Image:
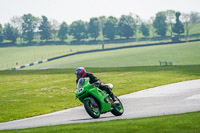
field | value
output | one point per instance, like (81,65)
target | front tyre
(92,110)
(119,109)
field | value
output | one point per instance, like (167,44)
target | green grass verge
(35,92)
(181,123)
(179,54)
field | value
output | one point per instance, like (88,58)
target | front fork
(93,102)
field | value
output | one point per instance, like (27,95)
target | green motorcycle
(97,101)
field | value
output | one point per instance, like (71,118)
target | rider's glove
(96,84)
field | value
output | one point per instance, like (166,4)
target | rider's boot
(115,102)
(113,97)
(107,89)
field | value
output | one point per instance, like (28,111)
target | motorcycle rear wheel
(94,112)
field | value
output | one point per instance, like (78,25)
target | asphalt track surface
(175,98)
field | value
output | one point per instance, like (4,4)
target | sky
(72,10)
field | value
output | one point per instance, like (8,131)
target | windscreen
(81,82)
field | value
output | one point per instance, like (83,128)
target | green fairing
(95,92)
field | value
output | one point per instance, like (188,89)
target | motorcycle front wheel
(92,110)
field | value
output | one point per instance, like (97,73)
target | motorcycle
(97,101)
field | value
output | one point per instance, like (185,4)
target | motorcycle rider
(81,73)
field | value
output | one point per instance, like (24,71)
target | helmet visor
(78,75)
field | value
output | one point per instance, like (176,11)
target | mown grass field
(179,54)
(25,55)
(181,123)
(130,57)
(34,92)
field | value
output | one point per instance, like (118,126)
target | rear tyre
(92,110)
(119,109)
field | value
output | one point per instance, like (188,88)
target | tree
(94,28)
(78,29)
(62,33)
(144,29)
(102,21)
(189,20)
(170,18)
(54,28)
(45,29)
(10,33)
(178,27)
(138,21)
(126,26)
(28,26)
(1,34)
(150,21)
(194,17)
(110,26)
(186,22)
(159,24)
(16,22)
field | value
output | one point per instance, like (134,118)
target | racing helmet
(80,72)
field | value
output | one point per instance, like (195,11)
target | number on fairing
(80,90)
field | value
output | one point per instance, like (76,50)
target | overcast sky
(72,10)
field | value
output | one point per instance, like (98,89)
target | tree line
(28,26)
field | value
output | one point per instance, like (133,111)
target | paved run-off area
(168,99)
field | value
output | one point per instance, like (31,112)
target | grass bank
(179,54)
(34,92)
(25,55)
